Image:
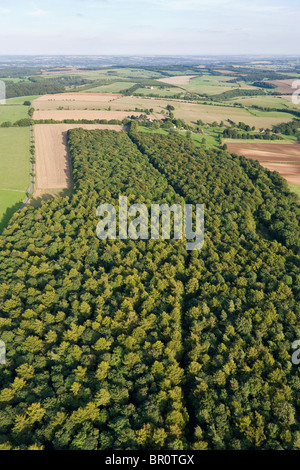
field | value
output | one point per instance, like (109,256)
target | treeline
(235,134)
(141,344)
(288,128)
(227,95)
(42,86)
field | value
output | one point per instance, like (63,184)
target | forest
(122,344)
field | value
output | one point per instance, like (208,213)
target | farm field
(12,112)
(212,85)
(90,115)
(192,112)
(284,86)
(74,100)
(52,163)
(21,99)
(263,101)
(177,80)
(289,171)
(116,87)
(288,152)
(284,158)
(14,170)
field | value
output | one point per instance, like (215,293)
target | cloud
(37,13)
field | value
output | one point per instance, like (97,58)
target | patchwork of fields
(106,102)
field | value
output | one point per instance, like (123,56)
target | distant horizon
(153,55)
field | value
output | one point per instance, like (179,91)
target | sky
(150,27)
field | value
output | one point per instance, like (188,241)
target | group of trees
(122,344)
(37,85)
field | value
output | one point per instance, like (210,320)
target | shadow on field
(8,215)
(39,200)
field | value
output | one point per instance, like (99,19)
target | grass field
(116,87)
(212,85)
(263,101)
(12,112)
(14,170)
(295,188)
(20,99)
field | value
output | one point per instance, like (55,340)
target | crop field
(75,101)
(14,170)
(52,163)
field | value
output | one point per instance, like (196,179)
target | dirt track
(52,163)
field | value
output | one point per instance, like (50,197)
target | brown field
(52,163)
(284,158)
(287,170)
(74,100)
(178,80)
(264,152)
(285,86)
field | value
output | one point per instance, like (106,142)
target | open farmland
(192,112)
(52,163)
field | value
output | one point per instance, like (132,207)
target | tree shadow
(10,211)
(39,200)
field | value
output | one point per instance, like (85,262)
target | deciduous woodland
(141,344)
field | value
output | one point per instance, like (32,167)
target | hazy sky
(132,27)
